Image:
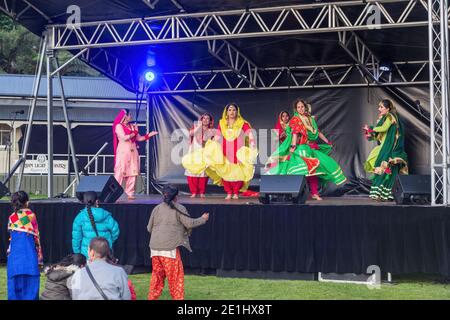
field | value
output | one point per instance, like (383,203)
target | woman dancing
(281,125)
(300,154)
(126,155)
(199,134)
(388,158)
(228,159)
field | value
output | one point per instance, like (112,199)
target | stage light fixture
(386,66)
(150,76)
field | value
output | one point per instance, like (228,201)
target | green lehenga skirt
(308,162)
(387,160)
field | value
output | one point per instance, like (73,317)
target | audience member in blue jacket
(92,222)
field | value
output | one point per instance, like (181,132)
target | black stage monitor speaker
(412,189)
(282,189)
(107,188)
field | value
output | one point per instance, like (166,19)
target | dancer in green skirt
(300,154)
(388,158)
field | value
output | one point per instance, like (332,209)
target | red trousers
(232,187)
(163,267)
(197,185)
(313,182)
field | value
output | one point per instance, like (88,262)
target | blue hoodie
(83,232)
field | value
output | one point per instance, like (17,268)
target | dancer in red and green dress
(388,158)
(300,154)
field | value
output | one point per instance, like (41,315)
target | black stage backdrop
(342,239)
(340,113)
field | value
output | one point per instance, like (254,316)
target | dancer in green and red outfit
(282,124)
(300,154)
(388,158)
(304,110)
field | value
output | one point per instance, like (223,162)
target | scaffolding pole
(49,57)
(37,82)
(68,125)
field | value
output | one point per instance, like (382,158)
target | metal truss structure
(11,9)
(439,101)
(238,24)
(109,64)
(216,27)
(298,77)
(240,73)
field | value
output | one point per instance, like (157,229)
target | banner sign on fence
(39,166)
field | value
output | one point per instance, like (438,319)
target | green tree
(76,67)
(18,48)
(19,52)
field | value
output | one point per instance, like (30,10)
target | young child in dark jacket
(57,286)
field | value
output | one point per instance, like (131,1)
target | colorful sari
(304,160)
(229,160)
(388,158)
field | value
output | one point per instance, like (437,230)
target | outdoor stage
(337,235)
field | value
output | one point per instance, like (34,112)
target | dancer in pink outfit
(126,155)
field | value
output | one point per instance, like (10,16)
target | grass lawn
(214,288)
(31,195)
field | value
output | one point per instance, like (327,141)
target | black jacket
(57,284)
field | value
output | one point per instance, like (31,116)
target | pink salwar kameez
(126,155)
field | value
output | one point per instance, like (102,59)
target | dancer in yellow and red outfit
(199,134)
(229,158)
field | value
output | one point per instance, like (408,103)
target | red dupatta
(278,126)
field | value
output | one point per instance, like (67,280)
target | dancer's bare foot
(202,196)
(228,197)
(193,195)
(235,196)
(131,198)
(316,197)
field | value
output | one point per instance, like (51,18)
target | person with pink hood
(126,155)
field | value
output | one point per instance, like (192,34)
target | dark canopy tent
(341,110)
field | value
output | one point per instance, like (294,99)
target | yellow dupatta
(231,134)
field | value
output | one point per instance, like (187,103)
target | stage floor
(220,200)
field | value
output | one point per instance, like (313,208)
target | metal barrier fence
(103,164)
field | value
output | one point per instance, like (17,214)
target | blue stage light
(150,76)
